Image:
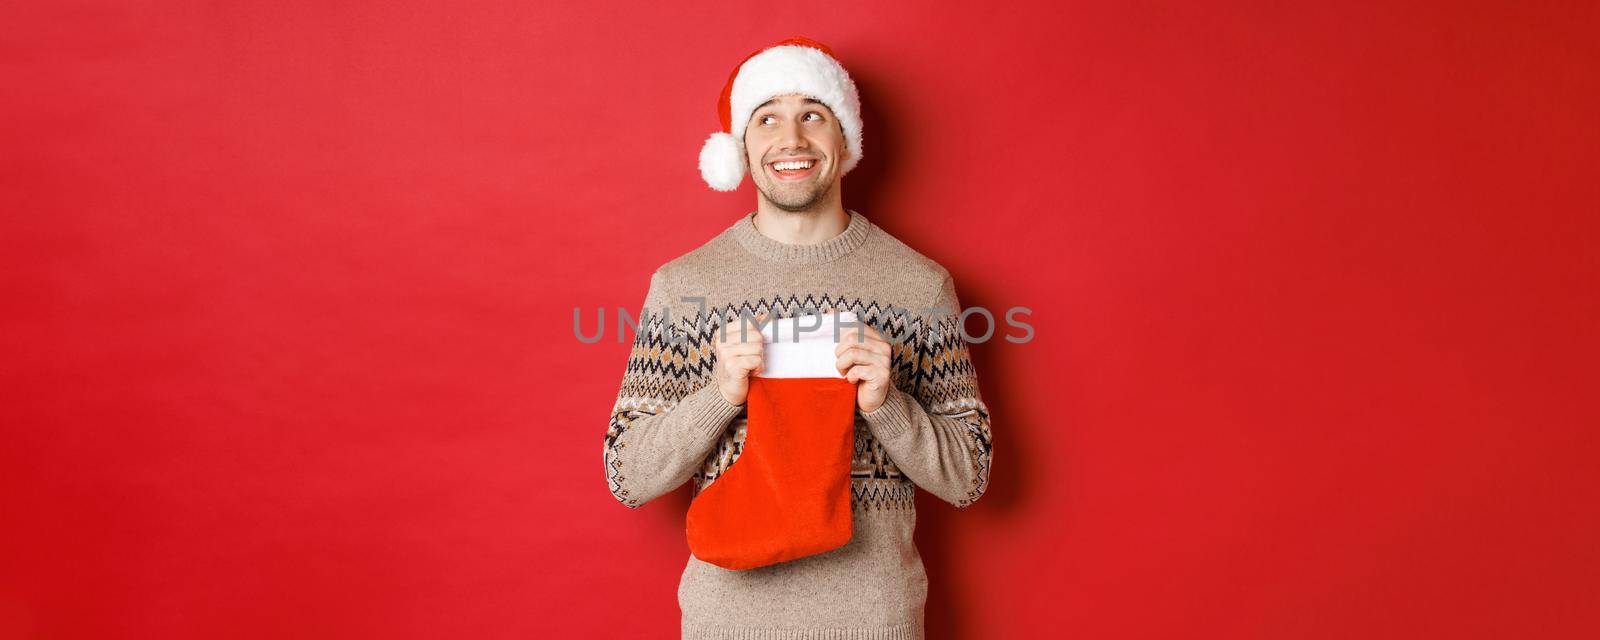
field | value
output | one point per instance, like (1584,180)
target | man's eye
(813,113)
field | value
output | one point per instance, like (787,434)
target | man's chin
(794,204)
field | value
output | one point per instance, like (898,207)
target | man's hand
(864,359)
(739,354)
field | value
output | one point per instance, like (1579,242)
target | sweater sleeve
(939,436)
(668,413)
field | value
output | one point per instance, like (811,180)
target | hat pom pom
(722,161)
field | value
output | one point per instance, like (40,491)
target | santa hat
(792,65)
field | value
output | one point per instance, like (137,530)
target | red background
(288,345)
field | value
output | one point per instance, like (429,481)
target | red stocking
(787,495)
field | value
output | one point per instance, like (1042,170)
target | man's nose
(790,136)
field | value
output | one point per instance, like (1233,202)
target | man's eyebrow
(806,101)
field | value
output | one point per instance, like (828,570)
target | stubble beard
(792,198)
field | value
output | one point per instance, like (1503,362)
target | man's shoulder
(894,251)
(692,265)
(905,267)
(695,271)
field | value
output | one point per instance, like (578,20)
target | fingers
(863,355)
(743,364)
(860,333)
(866,373)
(739,329)
(736,363)
(740,349)
(737,349)
(853,335)
(871,345)
(740,358)
(856,358)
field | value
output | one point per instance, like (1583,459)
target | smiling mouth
(793,169)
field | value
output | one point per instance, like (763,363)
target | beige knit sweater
(671,425)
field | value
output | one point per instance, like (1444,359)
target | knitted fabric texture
(670,425)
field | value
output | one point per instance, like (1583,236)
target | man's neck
(801,227)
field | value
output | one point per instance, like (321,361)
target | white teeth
(786,166)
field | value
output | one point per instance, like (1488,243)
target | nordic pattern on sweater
(673,357)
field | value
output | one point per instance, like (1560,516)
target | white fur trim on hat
(799,69)
(722,161)
(777,71)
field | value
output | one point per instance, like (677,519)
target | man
(791,119)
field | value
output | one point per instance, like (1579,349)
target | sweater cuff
(706,412)
(893,418)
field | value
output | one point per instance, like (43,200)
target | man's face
(794,128)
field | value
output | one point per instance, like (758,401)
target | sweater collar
(853,236)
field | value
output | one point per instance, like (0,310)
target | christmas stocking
(787,495)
